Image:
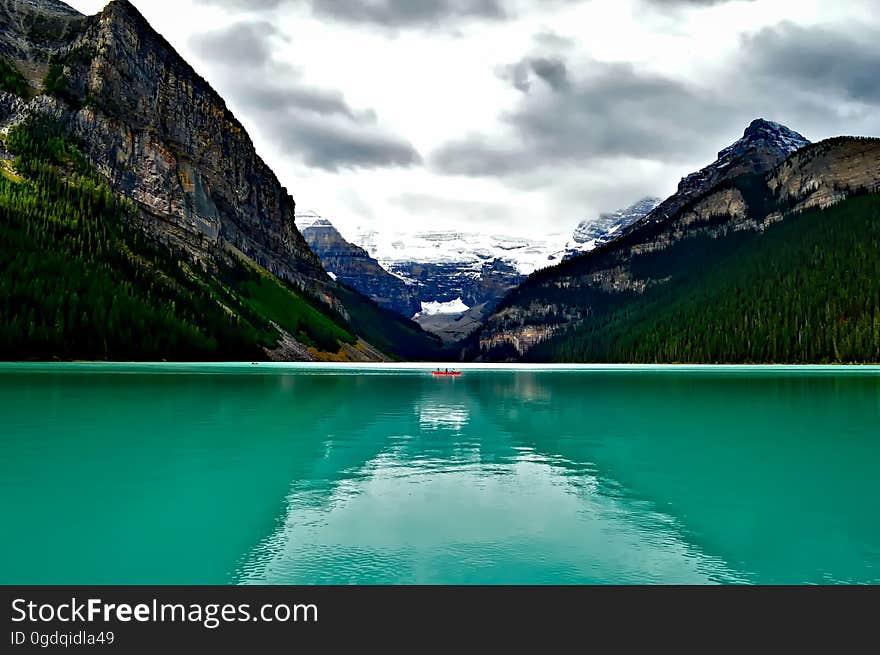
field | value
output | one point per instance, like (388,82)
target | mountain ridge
(444,265)
(353,266)
(764,144)
(751,199)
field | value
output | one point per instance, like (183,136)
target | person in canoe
(447,372)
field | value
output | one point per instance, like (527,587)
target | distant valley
(449,281)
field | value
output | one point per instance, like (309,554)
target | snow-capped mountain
(469,250)
(431,275)
(593,233)
(458,273)
(440,273)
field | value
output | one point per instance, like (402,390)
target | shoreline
(398,367)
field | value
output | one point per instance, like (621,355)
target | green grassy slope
(271,298)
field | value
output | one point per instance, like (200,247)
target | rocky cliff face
(353,266)
(764,144)
(555,300)
(160,135)
(32,30)
(825,173)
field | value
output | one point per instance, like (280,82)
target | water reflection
(476,507)
(774,474)
(427,522)
(499,477)
(442,416)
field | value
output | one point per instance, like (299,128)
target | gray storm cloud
(424,13)
(608,110)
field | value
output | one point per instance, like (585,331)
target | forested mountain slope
(672,288)
(805,291)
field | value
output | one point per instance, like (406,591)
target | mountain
(458,276)
(164,138)
(455,278)
(468,250)
(590,234)
(446,265)
(804,291)
(443,285)
(764,144)
(478,267)
(354,267)
(145,223)
(725,270)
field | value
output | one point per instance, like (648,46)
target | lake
(310,474)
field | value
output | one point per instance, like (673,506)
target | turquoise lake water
(296,474)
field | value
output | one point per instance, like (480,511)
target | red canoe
(449,373)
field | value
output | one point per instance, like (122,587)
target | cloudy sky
(518,117)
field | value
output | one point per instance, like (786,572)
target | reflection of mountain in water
(729,457)
(494,477)
(451,494)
